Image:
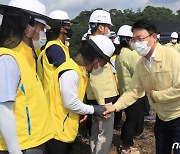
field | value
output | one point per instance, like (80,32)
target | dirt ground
(145,146)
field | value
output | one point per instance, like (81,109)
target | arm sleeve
(55,55)
(134,92)
(8,127)
(9,78)
(68,83)
(172,93)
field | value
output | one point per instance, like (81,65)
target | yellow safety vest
(45,69)
(65,122)
(38,51)
(30,108)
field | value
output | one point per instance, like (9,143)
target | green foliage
(120,18)
(158,13)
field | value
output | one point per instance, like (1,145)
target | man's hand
(109,109)
(99,110)
(83,118)
(151,95)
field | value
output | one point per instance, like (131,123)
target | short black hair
(52,34)
(13,25)
(124,42)
(145,24)
(94,26)
(88,52)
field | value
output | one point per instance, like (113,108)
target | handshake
(103,111)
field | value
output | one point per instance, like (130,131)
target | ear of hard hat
(125,30)
(33,7)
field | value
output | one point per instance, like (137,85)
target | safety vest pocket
(65,119)
(28,121)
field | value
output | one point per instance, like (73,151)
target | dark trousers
(134,123)
(58,147)
(167,134)
(147,106)
(41,149)
(117,117)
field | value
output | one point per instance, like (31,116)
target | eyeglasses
(139,39)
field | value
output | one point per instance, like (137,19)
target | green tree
(158,13)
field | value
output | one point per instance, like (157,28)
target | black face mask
(69,33)
(117,49)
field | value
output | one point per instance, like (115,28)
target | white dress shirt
(150,61)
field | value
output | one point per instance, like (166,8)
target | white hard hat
(112,34)
(158,36)
(105,45)
(117,40)
(125,30)
(89,31)
(100,16)
(174,35)
(33,7)
(60,15)
(85,35)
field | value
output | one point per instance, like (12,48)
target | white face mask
(108,33)
(142,48)
(42,40)
(97,71)
(174,41)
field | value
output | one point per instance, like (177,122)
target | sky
(74,7)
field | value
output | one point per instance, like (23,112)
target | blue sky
(74,7)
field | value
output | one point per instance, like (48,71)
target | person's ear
(154,36)
(101,28)
(62,30)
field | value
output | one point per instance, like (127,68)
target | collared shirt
(164,78)
(150,61)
